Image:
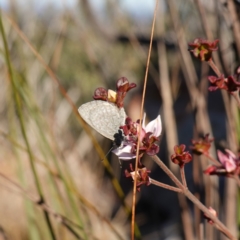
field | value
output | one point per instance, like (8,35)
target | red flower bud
(123,86)
(142,177)
(181,157)
(202,146)
(100,94)
(203,49)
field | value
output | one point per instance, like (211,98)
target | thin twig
(140,127)
(212,159)
(159,184)
(214,67)
(190,196)
(183,177)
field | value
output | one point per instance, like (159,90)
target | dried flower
(216,82)
(203,49)
(142,176)
(202,146)
(228,160)
(230,165)
(180,156)
(148,139)
(230,84)
(100,94)
(123,86)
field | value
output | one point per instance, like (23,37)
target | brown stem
(159,184)
(168,172)
(218,224)
(183,177)
(140,127)
(191,197)
(214,67)
(212,159)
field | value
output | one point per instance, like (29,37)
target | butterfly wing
(104,117)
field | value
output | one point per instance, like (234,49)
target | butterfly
(104,117)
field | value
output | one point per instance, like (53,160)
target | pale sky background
(134,7)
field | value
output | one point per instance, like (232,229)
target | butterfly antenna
(120,163)
(107,153)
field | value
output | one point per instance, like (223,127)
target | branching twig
(154,182)
(190,196)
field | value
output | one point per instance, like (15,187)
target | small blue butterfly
(104,117)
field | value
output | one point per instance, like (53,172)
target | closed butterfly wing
(104,117)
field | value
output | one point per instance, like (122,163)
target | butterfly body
(104,117)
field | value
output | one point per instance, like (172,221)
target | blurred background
(55,55)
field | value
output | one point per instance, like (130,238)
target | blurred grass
(84,51)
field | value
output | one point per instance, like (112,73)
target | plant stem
(140,126)
(217,71)
(183,177)
(191,197)
(214,67)
(159,184)
(212,159)
(19,113)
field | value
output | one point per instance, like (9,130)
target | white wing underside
(104,117)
